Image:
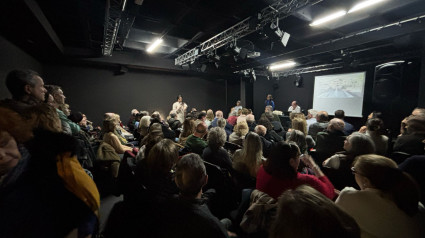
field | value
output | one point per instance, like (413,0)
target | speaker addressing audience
(294,107)
(180,108)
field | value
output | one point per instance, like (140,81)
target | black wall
(95,91)
(11,57)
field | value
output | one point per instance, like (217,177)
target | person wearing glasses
(387,203)
(279,173)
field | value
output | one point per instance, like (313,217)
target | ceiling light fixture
(331,17)
(282,65)
(154,45)
(364,4)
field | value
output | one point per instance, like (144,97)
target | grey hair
(216,137)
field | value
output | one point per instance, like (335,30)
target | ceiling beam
(38,13)
(403,27)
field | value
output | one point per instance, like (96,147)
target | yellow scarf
(77,181)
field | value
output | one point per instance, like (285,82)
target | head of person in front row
(26,86)
(305,213)
(381,173)
(191,176)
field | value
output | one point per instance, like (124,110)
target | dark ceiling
(53,30)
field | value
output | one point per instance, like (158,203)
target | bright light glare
(364,5)
(328,18)
(281,66)
(154,45)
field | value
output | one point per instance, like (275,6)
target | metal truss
(113,11)
(311,69)
(278,10)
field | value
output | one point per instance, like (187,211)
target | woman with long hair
(279,173)
(387,202)
(375,130)
(300,124)
(239,132)
(248,159)
(339,164)
(188,129)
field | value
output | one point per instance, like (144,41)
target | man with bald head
(195,142)
(294,108)
(218,115)
(330,141)
(267,145)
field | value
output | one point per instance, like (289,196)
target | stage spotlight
(298,82)
(283,36)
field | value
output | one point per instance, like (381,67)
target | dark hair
(179,96)
(264,121)
(376,114)
(76,117)
(298,137)
(322,116)
(278,161)
(305,213)
(162,157)
(339,114)
(17,79)
(375,124)
(52,89)
(202,114)
(384,175)
(190,174)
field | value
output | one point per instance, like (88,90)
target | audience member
(386,204)
(348,128)
(354,145)
(239,132)
(218,114)
(173,122)
(321,124)
(266,144)
(271,135)
(330,141)
(215,153)
(415,167)
(195,142)
(168,133)
(143,128)
(187,215)
(250,120)
(27,89)
(299,123)
(325,219)
(311,118)
(375,130)
(248,159)
(411,142)
(188,129)
(112,139)
(209,118)
(279,173)
(154,135)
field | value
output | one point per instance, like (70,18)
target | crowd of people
(191,174)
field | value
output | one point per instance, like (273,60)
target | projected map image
(339,86)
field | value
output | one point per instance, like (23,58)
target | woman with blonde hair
(387,203)
(299,123)
(239,132)
(112,139)
(248,159)
(209,118)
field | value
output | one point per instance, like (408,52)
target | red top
(275,187)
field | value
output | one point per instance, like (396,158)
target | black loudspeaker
(387,83)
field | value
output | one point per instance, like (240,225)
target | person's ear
(28,89)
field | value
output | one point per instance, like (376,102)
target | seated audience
(195,142)
(210,117)
(27,89)
(340,164)
(154,136)
(375,130)
(143,127)
(250,120)
(173,122)
(321,124)
(415,167)
(330,141)
(348,127)
(386,204)
(233,117)
(188,129)
(411,142)
(311,118)
(215,153)
(155,172)
(298,137)
(325,219)
(187,215)
(132,120)
(266,144)
(201,117)
(239,132)
(248,159)
(270,109)
(271,135)
(279,173)
(168,133)
(277,126)
(112,139)
(218,114)
(299,123)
